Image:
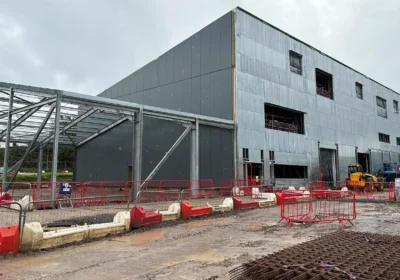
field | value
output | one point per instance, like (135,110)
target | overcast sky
(87,45)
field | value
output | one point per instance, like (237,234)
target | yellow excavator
(357,178)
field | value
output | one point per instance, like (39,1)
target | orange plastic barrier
(187,211)
(9,240)
(238,204)
(141,218)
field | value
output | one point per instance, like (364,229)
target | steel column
(55,146)
(7,142)
(28,150)
(137,150)
(194,158)
(170,151)
(40,165)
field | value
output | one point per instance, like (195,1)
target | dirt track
(196,249)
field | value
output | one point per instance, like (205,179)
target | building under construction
(238,97)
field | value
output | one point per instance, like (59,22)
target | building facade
(297,110)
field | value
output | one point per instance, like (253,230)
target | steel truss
(39,116)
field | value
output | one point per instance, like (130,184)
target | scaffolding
(40,116)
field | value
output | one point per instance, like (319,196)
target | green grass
(45,177)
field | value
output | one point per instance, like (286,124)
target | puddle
(143,237)
(206,256)
(203,223)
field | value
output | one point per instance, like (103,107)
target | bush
(45,177)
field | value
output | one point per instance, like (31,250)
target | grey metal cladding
(263,76)
(108,157)
(206,53)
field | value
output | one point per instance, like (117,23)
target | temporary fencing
(16,190)
(75,211)
(318,206)
(173,187)
(105,189)
(42,190)
(318,186)
(201,188)
(380,191)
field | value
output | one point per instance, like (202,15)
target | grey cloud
(86,46)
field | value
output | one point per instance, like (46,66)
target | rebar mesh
(339,255)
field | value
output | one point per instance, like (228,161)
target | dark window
(384,138)
(396,106)
(381,105)
(271,155)
(290,171)
(279,118)
(262,156)
(295,62)
(323,82)
(359,90)
(398,141)
(245,154)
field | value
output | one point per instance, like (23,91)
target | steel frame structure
(40,116)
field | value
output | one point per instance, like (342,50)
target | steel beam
(55,146)
(28,150)
(137,150)
(108,127)
(170,151)
(26,108)
(19,121)
(7,142)
(40,165)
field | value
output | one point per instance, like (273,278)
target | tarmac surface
(193,249)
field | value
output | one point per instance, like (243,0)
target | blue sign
(65,189)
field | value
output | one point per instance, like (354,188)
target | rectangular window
(324,83)
(245,154)
(396,106)
(384,138)
(295,62)
(381,105)
(262,156)
(271,155)
(359,90)
(398,141)
(279,118)
(290,171)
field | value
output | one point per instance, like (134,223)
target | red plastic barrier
(5,197)
(238,204)
(187,211)
(9,240)
(141,218)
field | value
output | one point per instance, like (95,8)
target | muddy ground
(195,249)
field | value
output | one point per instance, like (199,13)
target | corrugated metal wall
(263,75)
(195,77)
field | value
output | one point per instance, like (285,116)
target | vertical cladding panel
(196,95)
(227,166)
(147,76)
(196,50)
(186,95)
(205,51)
(178,63)
(170,66)
(215,93)
(205,152)
(216,153)
(226,94)
(176,98)
(226,41)
(215,46)
(205,85)
(187,59)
